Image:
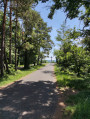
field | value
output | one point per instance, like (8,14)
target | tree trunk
(5,58)
(10,42)
(26,62)
(34,63)
(3,38)
(18,57)
(38,61)
(38,55)
(41,60)
(15,43)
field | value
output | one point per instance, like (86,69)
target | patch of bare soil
(64,92)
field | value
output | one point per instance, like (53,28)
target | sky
(58,19)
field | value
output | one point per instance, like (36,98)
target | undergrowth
(16,75)
(78,104)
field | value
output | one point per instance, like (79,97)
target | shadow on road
(29,100)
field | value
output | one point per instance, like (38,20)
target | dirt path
(33,97)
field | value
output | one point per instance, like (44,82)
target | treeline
(24,36)
(74,52)
(71,55)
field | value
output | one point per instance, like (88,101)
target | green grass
(78,104)
(71,80)
(9,78)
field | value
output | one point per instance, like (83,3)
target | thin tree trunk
(10,42)
(18,56)
(25,60)
(3,38)
(38,55)
(15,43)
(38,61)
(5,58)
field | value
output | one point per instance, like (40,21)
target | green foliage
(27,46)
(86,41)
(14,76)
(71,56)
(71,8)
(31,33)
(69,79)
(81,105)
(78,104)
(36,38)
(11,68)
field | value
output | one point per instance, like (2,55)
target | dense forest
(24,36)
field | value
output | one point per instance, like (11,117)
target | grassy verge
(9,78)
(78,104)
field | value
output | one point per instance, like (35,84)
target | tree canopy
(25,36)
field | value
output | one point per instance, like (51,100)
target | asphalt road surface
(33,97)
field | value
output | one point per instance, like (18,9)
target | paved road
(33,97)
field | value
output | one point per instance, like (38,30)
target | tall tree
(16,36)
(3,38)
(10,42)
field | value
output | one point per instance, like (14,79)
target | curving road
(33,97)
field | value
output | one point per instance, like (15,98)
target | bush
(11,68)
